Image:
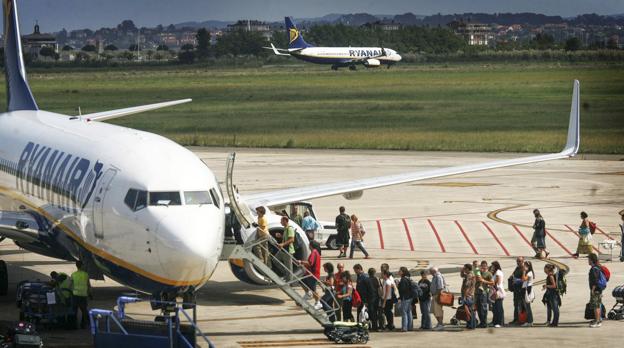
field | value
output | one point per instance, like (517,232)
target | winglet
(107,115)
(574,128)
(19,96)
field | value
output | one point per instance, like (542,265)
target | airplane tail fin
(19,96)
(295,40)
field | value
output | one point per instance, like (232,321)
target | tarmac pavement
(444,222)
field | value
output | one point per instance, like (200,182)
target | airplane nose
(398,57)
(189,243)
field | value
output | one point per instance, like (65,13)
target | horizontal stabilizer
(107,115)
(277,50)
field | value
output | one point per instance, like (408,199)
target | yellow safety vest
(80,280)
(65,285)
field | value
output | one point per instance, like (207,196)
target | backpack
(562,282)
(592,227)
(356,300)
(416,292)
(606,272)
(601,282)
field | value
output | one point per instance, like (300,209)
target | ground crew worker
(81,289)
(64,287)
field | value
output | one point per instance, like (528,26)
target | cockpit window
(215,197)
(197,197)
(136,199)
(165,198)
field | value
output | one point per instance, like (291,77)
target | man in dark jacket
(518,293)
(365,289)
(343,223)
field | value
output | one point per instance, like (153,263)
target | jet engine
(372,63)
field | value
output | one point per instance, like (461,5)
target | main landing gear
(352,67)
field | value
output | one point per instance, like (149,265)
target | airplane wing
(107,115)
(354,189)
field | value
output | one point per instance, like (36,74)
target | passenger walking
(329,305)
(343,223)
(286,252)
(262,236)
(597,283)
(388,302)
(405,294)
(538,241)
(338,285)
(357,236)
(585,237)
(498,319)
(438,284)
(313,270)
(425,301)
(81,290)
(364,288)
(467,293)
(375,298)
(516,287)
(346,295)
(484,282)
(528,277)
(551,296)
(310,225)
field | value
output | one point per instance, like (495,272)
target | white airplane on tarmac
(135,206)
(370,57)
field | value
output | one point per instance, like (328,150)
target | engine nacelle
(372,63)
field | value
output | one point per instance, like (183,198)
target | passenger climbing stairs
(290,282)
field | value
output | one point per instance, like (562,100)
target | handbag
(529,296)
(462,313)
(446,298)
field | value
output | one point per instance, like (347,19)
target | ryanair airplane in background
(370,57)
(137,207)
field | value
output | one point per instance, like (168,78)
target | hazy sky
(73,14)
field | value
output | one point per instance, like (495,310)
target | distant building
(33,43)
(252,26)
(188,38)
(477,34)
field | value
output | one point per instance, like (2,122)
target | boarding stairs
(291,283)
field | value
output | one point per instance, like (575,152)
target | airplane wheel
(4,279)
(335,68)
(352,67)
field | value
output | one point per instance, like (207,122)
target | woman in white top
(388,302)
(527,285)
(499,314)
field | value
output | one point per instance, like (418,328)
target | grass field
(464,107)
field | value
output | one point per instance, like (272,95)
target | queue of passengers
(482,291)
(378,296)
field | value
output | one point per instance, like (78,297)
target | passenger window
(165,198)
(215,197)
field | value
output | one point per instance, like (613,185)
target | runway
(444,222)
